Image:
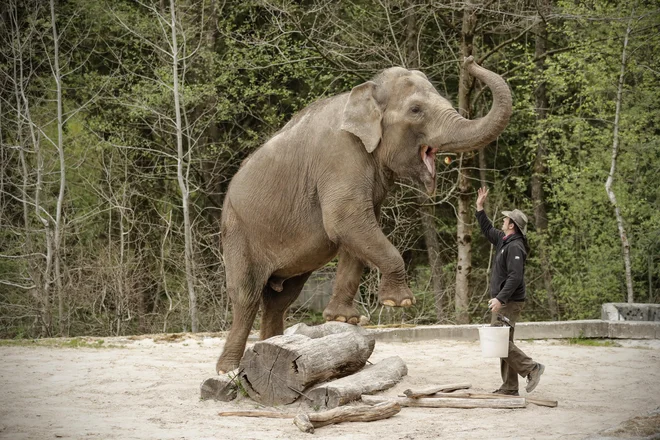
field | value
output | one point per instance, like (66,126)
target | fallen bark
(279,369)
(507,402)
(308,422)
(433,389)
(378,377)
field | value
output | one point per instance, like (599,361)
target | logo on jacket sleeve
(517,257)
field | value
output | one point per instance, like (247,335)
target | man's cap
(518,218)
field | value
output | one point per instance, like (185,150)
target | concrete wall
(630,312)
(591,328)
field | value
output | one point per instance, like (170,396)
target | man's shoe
(506,392)
(534,377)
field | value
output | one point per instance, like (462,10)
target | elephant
(314,191)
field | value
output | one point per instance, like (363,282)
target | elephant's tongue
(429,159)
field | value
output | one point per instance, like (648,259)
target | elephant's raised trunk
(467,135)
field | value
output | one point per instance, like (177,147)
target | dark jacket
(507,282)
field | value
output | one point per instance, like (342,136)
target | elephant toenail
(406,303)
(389,302)
(221,372)
(353,321)
(340,318)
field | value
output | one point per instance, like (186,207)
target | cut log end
(279,369)
(223,388)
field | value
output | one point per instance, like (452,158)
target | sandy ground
(146,389)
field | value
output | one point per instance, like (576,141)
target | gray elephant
(314,191)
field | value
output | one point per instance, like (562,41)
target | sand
(148,388)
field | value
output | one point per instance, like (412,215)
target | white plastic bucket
(494,341)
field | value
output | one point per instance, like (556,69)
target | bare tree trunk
(40,269)
(59,221)
(182,179)
(610,178)
(540,166)
(483,166)
(427,215)
(464,229)
(426,206)
(22,114)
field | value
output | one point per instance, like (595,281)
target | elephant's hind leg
(245,284)
(274,304)
(341,307)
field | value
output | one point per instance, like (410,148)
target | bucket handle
(504,319)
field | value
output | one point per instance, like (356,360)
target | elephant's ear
(362,115)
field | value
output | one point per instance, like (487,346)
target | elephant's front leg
(347,281)
(355,227)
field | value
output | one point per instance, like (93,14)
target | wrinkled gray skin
(315,189)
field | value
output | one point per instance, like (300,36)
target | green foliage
(245,69)
(591,342)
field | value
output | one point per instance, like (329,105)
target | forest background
(122,123)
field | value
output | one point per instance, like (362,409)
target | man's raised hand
(482,194)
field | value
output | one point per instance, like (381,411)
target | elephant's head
(404,122)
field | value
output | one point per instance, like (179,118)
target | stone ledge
(630,312)
(590,328)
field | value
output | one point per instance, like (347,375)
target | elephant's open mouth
(428,157)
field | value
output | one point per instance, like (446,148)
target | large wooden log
(319,331)
(508,402)
(308,422)
(378,377)
(278,370)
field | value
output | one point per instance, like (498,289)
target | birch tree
(173,48)
(625,244)
(22,46)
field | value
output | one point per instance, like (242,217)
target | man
(507,291)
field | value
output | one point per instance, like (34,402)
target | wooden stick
(383,410)
(309,421)
(535,401)
(508,402)
(433,389)
(256,413)
(542,402)
(469,395)
(303,423)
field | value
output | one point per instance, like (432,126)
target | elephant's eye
(415,109)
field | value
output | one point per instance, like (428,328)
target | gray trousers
(517,362)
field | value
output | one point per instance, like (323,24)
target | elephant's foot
(341,313)
(226,364)
(395,295)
